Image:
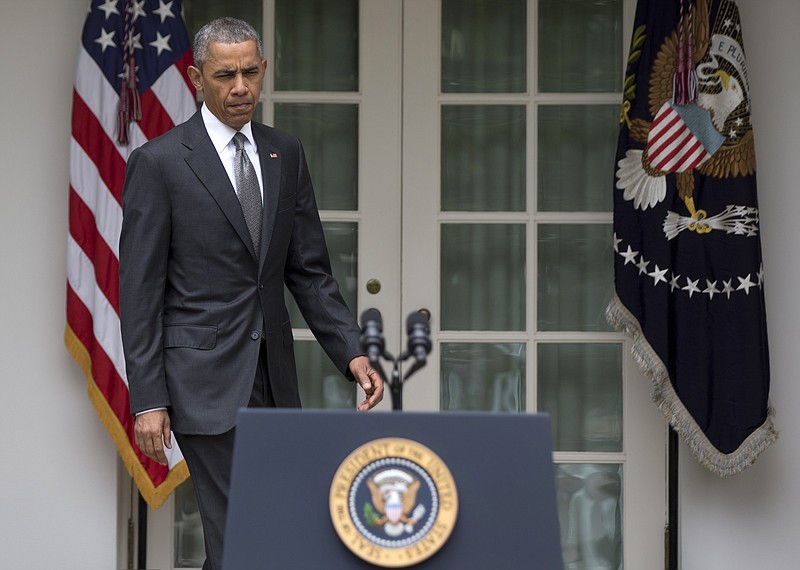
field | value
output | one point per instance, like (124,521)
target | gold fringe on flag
(665,398)
(154,496)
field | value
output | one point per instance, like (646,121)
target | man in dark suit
(204,325)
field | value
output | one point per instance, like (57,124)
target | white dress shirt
(222,138)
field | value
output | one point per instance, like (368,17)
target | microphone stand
(397,380)
(396,384)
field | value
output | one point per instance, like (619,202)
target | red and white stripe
(671,145)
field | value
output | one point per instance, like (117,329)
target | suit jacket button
(254,335)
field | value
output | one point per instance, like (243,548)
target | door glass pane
(316,45)
(580,386)
(580,46)
(484,46)
(197,13)
(321,384)
(329,133)
(483,158)
(190,550)
(574,277)
(576,149)
(483,277)
(342,240)
(483,377)
(590,515)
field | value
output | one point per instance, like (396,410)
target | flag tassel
(684,87)
(130,108)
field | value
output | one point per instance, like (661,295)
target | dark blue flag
(688,269)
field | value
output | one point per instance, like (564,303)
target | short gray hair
(224,31)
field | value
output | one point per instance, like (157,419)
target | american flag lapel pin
(273,155)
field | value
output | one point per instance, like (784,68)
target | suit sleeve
(143,254)
(308,277)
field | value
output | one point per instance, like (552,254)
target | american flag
(113,112)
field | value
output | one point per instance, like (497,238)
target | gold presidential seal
(393,502)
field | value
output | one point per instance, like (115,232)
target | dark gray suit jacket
(195,302)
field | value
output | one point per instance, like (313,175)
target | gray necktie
(248,190)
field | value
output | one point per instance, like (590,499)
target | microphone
(419,336)
(372,334)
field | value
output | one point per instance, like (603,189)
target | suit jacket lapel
(270,160)
(205,163)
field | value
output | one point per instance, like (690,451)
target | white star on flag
(134,42)
(711,289)
(727,289)
(161,43)
(164,10)
(691,287)
(658,275)
(106,39)
(137,9)
(109,7)
(617,241)
(745,284)
(629,255)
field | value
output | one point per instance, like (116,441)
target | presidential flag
(130,86)
(688,270)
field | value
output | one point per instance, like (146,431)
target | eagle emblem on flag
(711,133)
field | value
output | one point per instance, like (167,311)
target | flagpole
(141,554)
(672,501)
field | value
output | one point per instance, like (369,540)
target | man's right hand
(152,434)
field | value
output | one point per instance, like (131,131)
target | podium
(324,489)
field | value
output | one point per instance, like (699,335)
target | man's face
(231,80)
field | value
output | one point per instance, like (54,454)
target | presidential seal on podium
(393,502)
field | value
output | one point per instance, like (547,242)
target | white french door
(462,154)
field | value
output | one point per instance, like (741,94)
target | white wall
(752,520)
(58,468)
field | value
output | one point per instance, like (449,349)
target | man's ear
(196,77)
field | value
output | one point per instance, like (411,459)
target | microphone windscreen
(371,315)
(416,319)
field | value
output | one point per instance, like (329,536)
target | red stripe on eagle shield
(671,145)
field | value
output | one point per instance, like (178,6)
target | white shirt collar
(221,134)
